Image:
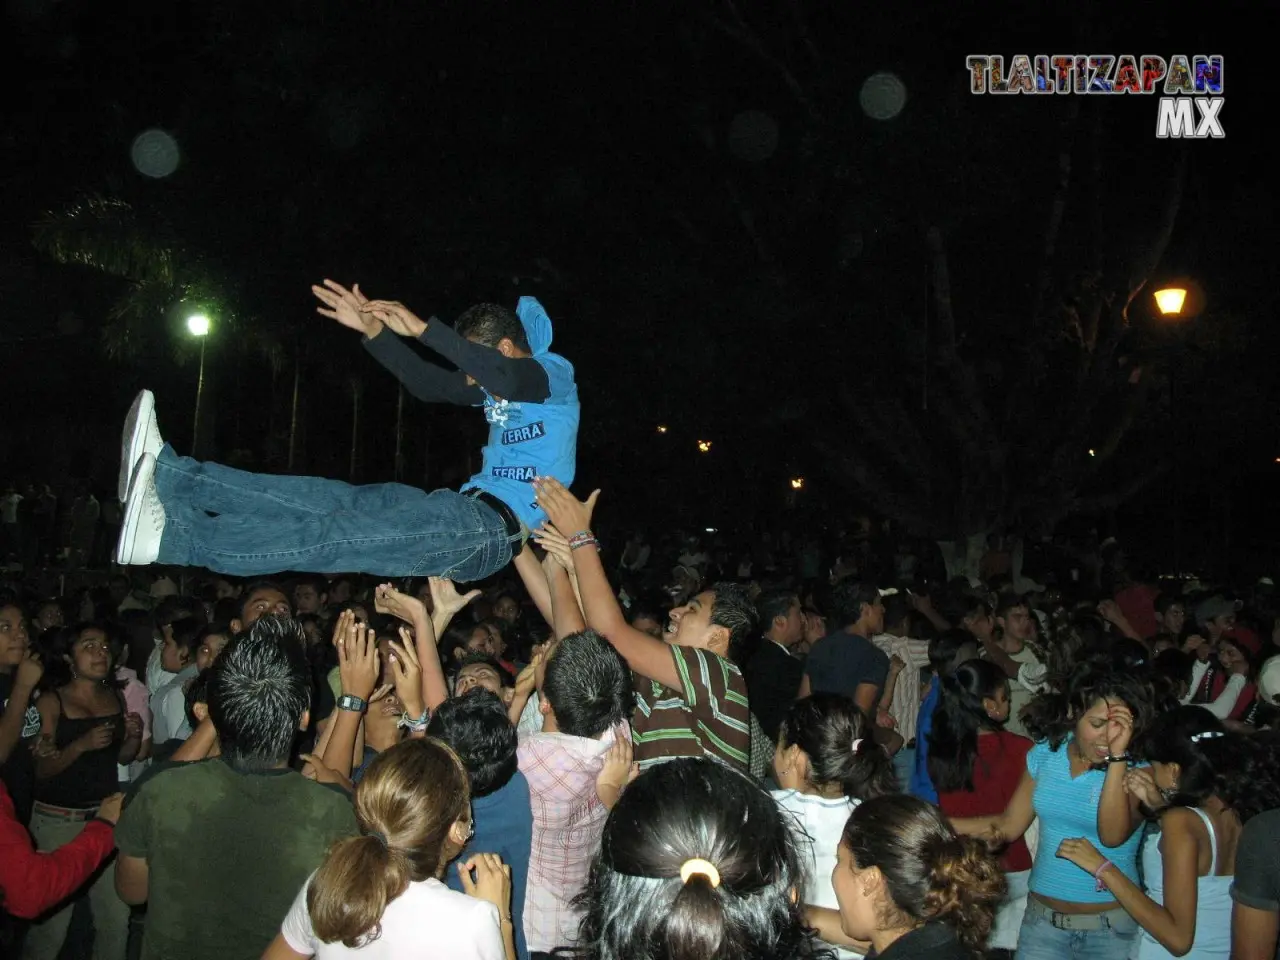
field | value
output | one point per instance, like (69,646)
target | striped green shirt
(711,718)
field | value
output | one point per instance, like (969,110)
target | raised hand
(344,306)
(406,671)
(387,599)
(357,656)
(619,769)
(29,672)
(395,315)
(566,512)
(1141,783)
(557,546)
(1119,729)
(446,599)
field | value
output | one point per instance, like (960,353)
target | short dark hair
(587,685)
(944,648)
(314,580)
(197,692)
(187,633)
(733,609)
(774,604)
(471,659)
(475,725)
(848,599)
(175,608)
(489,324)
(1011,601)
(250,589)
(259,690)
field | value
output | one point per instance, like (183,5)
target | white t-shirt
(822,821)
(426,922)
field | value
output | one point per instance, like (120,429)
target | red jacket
(31,882)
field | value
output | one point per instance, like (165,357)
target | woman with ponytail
(696,863)
(1203,784)
(378,896)
(826,763)
(913,888)
(976,766)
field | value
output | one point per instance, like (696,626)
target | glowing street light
(797,483)
(1093,453)
(662,428)
(1171,300)
(704,446)
(198,326)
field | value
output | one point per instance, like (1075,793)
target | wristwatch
(354,704)
(1123,758)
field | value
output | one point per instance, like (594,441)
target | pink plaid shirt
(568,819)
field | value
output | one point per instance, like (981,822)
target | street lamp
(198,326)
(662,428)
(1171,300)
(797,483)
(704,446)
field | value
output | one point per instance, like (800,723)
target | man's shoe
(141,435)
(143,523)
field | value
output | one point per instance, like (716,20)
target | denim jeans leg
(388,529)
(220,489)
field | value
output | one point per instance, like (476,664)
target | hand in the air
(344,306)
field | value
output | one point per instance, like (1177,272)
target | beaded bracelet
(415,726)
(582,538)
(1097,874)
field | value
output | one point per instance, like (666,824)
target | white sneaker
(141,435)
(143,523)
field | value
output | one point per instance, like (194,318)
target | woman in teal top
(1082,733)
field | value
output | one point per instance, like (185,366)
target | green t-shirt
(227,853)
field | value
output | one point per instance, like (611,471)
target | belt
(1076,921)
(515,527)
(69,814)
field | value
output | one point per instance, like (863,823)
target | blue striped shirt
(1068,808)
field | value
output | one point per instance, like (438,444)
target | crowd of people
(331,766)
(582,756)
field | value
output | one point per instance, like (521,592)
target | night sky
(612,160)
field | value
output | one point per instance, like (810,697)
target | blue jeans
(904,761)
(1039,939)
(268,524)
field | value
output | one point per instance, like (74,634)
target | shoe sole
(135,433)
(133,510)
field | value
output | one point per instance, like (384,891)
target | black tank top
(92,776)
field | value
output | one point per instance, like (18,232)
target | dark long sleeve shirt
(32,882)
(519,379)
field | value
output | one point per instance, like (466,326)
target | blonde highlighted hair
(408,799)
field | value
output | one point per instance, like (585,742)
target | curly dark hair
(1051,716)
(929,872)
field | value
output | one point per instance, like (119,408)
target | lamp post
(198,326)
(1170,301)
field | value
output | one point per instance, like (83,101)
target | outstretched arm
(646,656)
(521,379)
(423,380)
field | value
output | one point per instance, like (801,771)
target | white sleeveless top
(1213,903)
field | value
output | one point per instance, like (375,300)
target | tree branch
(1146,264)
(739,31)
